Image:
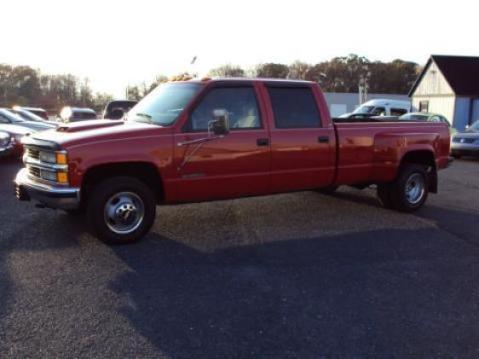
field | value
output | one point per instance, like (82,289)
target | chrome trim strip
(44,165)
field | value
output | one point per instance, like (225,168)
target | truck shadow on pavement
(358,294)
(461,223)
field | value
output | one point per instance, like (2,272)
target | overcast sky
(119,42)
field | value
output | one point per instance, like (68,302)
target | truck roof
(249,79)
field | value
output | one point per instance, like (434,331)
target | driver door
(234,165)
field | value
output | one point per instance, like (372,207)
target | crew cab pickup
(213,139)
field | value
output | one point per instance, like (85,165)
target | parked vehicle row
(12,139)
(205,140)
(40,112)
(8,116)
(466,143)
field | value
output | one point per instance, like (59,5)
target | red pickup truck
(212,139)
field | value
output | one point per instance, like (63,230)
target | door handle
(262,142)
(323,139)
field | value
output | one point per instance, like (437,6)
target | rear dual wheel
(408,191)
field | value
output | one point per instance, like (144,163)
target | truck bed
(371,151)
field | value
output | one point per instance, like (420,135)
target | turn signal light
(61,158)
(62,177)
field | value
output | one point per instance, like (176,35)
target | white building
(449,85)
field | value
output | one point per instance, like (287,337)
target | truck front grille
(32,153)
(34,171)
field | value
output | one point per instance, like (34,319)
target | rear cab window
(294,107)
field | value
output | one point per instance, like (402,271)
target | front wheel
(121,210)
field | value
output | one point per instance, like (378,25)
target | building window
(424,106)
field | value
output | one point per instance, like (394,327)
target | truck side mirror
(220,124)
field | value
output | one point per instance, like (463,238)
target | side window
(398,111)
(294,107)
(239,102)
(379,111)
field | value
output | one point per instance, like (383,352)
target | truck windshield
(164,104)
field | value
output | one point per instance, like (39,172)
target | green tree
(272,70)
(298,70)
(227,71)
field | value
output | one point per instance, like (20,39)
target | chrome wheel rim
(415,188)
(124,212)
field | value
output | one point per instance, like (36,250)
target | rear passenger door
(302,151)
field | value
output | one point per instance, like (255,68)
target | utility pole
(363,86)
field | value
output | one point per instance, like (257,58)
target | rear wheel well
(143,171)
(426,159)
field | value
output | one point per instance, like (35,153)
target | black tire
(384,195)
(132,196)
(415,177)
(328,190)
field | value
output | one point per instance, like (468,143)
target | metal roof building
(449,85)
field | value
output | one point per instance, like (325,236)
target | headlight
(48,175)
(5,139)
(59,158)
(48,157)
(54,176)
(50,166)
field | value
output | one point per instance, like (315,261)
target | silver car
(466,143)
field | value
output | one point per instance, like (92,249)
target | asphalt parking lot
(299,275)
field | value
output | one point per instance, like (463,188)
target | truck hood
(81,133)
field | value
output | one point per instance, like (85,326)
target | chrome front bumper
(47,195)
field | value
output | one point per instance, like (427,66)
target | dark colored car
(424,116)
(466,143)
(9,117)
(36,110)
(115,110)
(5,143)
(30,116)
(11,145)
(75,114)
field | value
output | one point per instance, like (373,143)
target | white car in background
(380,107)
